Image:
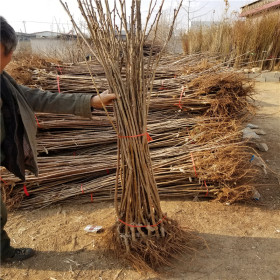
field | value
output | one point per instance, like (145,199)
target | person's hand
(106,98)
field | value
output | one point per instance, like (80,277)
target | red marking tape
(194,168)
(149,138)
(82,190)
(180,100)
(162,86)
(3,181)
(58,85)
(129,225)
(206,188)
(25,191)
(37,121)
(59,69)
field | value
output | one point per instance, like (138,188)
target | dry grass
(251,42)
(240,193)
(22,66)
(229,94)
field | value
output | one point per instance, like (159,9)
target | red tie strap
(3,181)
(206,188)
(25,191)
(133,226)
(37,121)
(59,69)
(180,100)
(58,85)
(194,168)
(149,138)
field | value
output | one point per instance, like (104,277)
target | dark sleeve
(58,103)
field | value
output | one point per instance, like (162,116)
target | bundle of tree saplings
(183,88)
(143,233)
(173,114)
(196,150)
(192,157)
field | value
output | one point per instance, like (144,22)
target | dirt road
(243,239)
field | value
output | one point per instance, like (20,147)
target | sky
(48,15)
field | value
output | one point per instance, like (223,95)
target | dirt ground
(243,239)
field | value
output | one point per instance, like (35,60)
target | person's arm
(65,103)
(105,97)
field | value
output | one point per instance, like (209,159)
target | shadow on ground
(228,257)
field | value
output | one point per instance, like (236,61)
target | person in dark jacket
(18,125)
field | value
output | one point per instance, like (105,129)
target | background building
(48,43)
(260,7)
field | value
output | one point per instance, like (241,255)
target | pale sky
(49,15)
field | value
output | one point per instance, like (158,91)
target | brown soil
(243,239)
